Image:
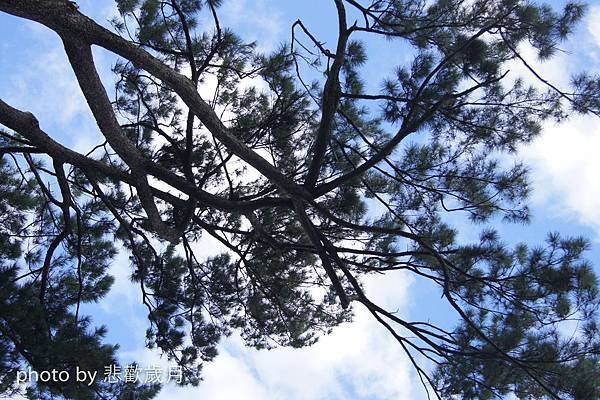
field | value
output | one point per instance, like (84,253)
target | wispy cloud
(257,20)
(593,23)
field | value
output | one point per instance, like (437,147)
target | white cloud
(358,360)
(122,290)
(563,159)
(565,165)
(593,23)
(259,20)
(48,88)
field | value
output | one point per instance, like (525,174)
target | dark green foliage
(50,334)
(526,303)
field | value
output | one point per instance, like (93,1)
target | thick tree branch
(329,99)
(27,125)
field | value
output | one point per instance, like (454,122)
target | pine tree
(309,185)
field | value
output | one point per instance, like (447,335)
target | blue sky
(359,360)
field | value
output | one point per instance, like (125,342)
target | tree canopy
(311,181)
